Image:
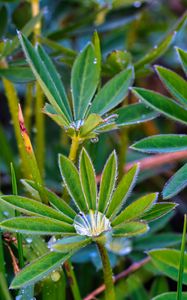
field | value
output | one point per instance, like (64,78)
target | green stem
(17,214)
(72,280)
(107,272)
(123,147)
(4,292)
(74,149)
(68,266)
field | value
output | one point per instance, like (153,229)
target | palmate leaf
(84,81)
(134,114)
(47,77)
(88,180)
(71,179)
(68,244)
(37,225)
(135,210)
(122,191)
(54,200)
(113,92)
(33,207)
(183,58)
(176,183)
(162,104)
(176,85)
(130,229)
(157,211)
(167,261)
(107,184)
(162,143)
(39,268)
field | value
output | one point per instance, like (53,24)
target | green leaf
(54,200)
(17,74)
(113,92)
(159,286)
(181,265)
(162,143)
(160,240)
(56,78)
(84,81)
(68,244)
(134,114)
(90,124)
(135,210)
(39,268)
(97,49)
(160,49)
(33,207)
(183,58)
(176,85)
(130,229)
(46,76)
(57,118)
(158,210)
(176,183)
(71,179)
(122,191)
(162,104)
(167,261)
(37,225)
(170,296)
(107,184)
(88,180)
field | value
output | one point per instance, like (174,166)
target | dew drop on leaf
(137,4)
(94,140)
(55,276)
(29,240)
(6,213)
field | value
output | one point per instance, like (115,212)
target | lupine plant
(101,221)
(96,217)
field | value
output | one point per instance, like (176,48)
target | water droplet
(92,224)
(95,61)
(95,140)
(137,4)
(29,240)
(34,130)
(6,213)
(55,276)
(155,47)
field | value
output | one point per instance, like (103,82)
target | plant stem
(17,214)
(107,272)
(74,149)
(4,292)
(40,121)
(72,280)
(68,266)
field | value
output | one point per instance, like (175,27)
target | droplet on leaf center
(92,224)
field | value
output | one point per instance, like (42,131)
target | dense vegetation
(92,149)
